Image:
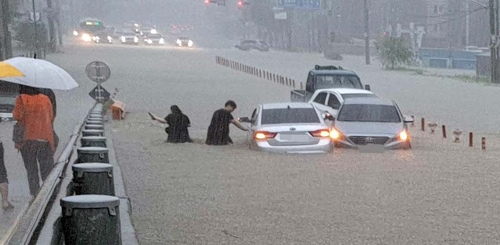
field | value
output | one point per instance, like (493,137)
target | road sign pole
(98,75)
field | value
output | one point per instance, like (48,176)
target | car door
(333,104)
(253,127)
(320,101)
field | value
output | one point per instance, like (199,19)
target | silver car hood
(368,128)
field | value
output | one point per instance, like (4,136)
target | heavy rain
(249,122)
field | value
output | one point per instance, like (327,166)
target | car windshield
(369,113)
(155,36)
(128,34)
(287,116)
(347,96)
(337,81)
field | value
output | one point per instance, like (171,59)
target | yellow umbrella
(7,70)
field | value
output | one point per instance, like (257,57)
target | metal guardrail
(26,229)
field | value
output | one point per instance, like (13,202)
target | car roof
(285,105)
(368,101)
(340,72)
(345,91)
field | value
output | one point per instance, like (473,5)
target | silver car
(371,124)
(289,128)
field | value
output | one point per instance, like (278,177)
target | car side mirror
(367,87)
(329,117)
(408,119)
(244,120)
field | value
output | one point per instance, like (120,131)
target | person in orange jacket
(34,111)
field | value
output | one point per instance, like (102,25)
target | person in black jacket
(52,97)
(178,125)
(218,131)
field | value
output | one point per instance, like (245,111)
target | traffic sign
(98,71)
(99,94)
(300,4)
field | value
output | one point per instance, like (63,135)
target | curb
(129,235)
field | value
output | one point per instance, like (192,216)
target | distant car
(103,37)
(371,122)
(129,38)
(184,42)
(330,100)
(289,128)
(252,44)
(155,39)
(7,102)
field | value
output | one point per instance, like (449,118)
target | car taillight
(403,136)
(264,135)
(320,133)
(334,134)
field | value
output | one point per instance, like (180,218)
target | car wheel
(407,146)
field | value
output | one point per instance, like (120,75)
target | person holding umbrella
(33,133)
(33,111)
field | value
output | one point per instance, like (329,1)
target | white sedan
(330,100)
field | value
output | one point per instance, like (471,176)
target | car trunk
(289,135)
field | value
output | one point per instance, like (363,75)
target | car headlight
(179,42)
(123,39)
(149,41)
(110,38)
(86,37)
(75,33)
(136,39)
(162,41)
(153,31)
(190,43)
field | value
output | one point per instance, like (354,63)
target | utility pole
(467,24)
(52,33)
(493,5)
(7,43)
(367,33)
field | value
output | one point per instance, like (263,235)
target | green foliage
(25,34)
(394,52)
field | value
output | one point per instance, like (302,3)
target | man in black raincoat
(218,131)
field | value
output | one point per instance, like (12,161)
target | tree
(394,52)
(25,34)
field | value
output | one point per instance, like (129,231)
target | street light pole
(35,28)
(367,33)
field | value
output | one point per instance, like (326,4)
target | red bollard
(301,86)
(471,139)
(444,131)
(483,143)
(274,77)
(423,124)
(413,123)
(294,84)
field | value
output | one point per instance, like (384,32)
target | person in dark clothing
(4,182)
(178,125)
(218,131)
(52,97)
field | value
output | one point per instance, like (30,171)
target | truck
(323,77)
